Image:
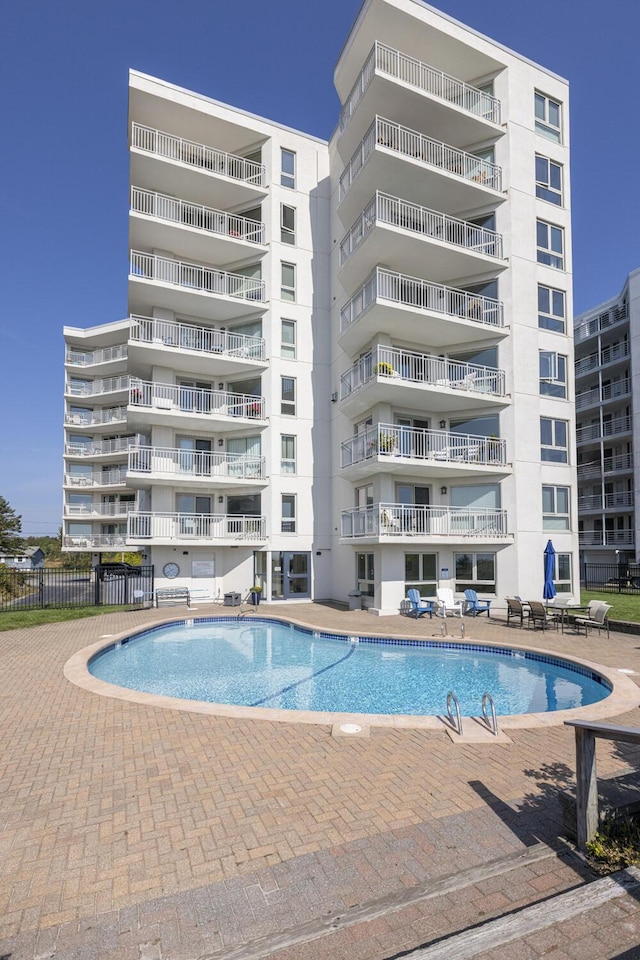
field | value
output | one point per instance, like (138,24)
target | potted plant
(255,594)
(387,443)
(384,369)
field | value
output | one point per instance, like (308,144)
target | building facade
(346,364)
(607,352)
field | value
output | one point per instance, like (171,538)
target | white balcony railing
(94,388)
(88,358)
(606,538)
(101,541)
(192,400)
(197,155)
(609,354)
(596,468)
(194,276)
(195,215)
(185,336)
(195,463)
(384,284)
(611,501)
(99,509)
(391,211)
(595,431)
(104,478)
(194,526)
(414,145)
(391,363)
(596,396)
(100,448)
(91,418)
(402,520)
(438,446)
(420,76)
(594,325)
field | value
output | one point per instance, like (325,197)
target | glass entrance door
(290,576)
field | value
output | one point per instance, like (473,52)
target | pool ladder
(488,713)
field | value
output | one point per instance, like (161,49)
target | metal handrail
(199,339)
(456,722)
(489,706)
(196,215)
(195,276)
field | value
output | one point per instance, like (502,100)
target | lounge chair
(539,615)
(447,604)
(475,606)
(419,606)
(597,617)
(515,610)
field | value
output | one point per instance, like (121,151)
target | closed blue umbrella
(549,590)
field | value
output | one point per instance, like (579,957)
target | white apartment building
(346,364)
(607,374)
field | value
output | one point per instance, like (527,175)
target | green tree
(10,529)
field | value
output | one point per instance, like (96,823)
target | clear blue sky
(64,164)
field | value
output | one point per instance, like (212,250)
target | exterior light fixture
(443,490)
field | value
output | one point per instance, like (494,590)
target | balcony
(99,510)
(103,448)
(404,378)
(98,420)
(606,538)
(201,350)
(614,353)
(89,358)
(393,522)
(175,164)
(622,463)
(414,302)
(610,428)
(117,477)
(603,321)
(102,541)
(172,465)
(179,406)
(611,501)
(204,233)
(434,171)
(390,229)
(201,290)
(414,92)
(596,396)
(426,453)
(182,528)
(96,388)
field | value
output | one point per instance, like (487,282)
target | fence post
(586,787)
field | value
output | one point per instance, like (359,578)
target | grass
(17,619)
(624,606)
(616,845)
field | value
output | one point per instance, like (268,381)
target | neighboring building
(30,559)
(345,364)
(607,371)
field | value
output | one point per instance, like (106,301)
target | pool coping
(624,695)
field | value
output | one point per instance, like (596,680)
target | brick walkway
(130,831)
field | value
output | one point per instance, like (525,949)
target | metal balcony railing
(197,155)
(193,400)
(404,366)
(594,325)
(595,431)
(101,541)
(100,448)
(104,478)
(596,468)
(194,526)
(96,387)
(195,463)
(195,215)
(437,446)
(414,145)
(384,284)
(609,354)
(96,417)
(596,396)
(194,276)
(391,211)
(87,358)
(606,538)
(610,501)
(420,76)
(435,523)
(99,509)
(186,336)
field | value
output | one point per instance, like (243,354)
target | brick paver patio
(132,831)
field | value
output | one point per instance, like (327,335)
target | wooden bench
(173,595)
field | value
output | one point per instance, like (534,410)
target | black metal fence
(612,577)
(98,586)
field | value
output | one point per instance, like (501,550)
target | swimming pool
(270,664)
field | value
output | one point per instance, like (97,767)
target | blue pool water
(266,663)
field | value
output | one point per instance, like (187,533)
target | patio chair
(447,604)
(516,610)
(419,606)
(597,617)
(539,615)
(474,605)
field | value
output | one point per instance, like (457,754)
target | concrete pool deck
(129,830)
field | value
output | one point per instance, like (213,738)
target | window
(475,571)
(555,508)
(421,573)
(562,573)
(553,374)
(288,339)
(554,447)
(287,224)
(551,309)
(548,180)
(287,168)
(287,453)
(288,396)
(550,241)
(288,281)
(365,574)
(288,522)
(548,117)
